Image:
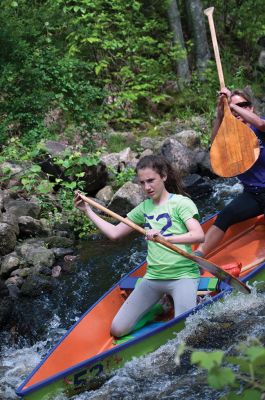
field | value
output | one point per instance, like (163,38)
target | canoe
(87,352)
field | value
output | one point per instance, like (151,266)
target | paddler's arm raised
(248,116)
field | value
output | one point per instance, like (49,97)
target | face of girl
(152,183)
(241,102)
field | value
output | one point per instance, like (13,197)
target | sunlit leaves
(220,377)
(207,360)
(243,375)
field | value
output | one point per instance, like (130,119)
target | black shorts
(246,205)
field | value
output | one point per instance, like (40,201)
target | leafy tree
(37,74)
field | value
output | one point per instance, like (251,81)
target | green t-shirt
(169,218)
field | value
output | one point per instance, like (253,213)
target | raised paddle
(205,264)
(235,147)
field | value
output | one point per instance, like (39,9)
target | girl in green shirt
(168,213)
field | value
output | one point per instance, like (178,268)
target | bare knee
(117,330)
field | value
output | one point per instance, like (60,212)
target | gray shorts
(147,293)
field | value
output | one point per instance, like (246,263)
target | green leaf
(45,187)
(80,175)
(218,377)
(241,362)
(180,350)
(91,40)
(66,164)
(251,394)
(70,185)
(207,360)
(256,354)
(35,168)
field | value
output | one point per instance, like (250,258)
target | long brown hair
(163,167)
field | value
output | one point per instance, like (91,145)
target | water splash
(16,363)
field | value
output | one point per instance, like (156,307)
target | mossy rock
(58,241)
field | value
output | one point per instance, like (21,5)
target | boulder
(21,207)
(7,239)
(29,227)
(126,198)
(58,241)
(179,155)
(196,186)
(105,194)
(35,285)
(38,256)
(188,138)
(9,263)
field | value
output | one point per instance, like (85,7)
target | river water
(155,376)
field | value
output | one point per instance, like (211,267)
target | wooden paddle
(202,262)
(235,147)
(253,264)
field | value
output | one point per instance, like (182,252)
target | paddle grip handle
(209,13)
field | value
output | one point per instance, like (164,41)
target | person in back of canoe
(167,213)
(251,202)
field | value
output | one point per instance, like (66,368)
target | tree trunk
(196,20)
(182,66)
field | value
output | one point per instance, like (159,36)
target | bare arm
(113,232)
(195,234)
(249,116)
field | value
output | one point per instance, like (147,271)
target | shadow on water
(44,320)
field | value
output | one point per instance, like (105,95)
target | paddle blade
(235,147)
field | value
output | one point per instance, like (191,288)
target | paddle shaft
(138,228)
(209,13)
(253,264)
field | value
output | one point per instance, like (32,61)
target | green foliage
(116,143)
(38,75)
(128,174)
(242,375)
(33,181)
(73,164)
(107,62)
(120,178)
(128,45)
(112,62)
(233,18)
(81,226)
(240,40)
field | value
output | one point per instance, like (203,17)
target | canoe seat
(205,284)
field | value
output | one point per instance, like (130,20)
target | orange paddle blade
(235,147)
